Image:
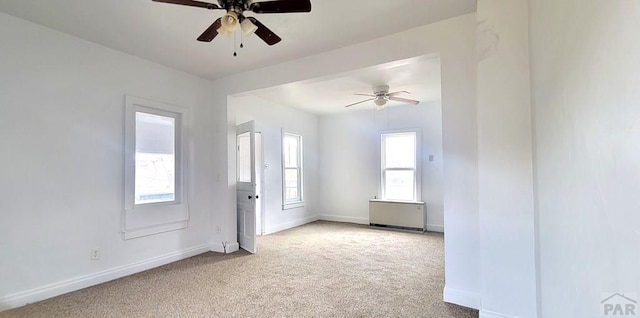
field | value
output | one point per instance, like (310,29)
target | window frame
(299,202)
(417,180)
(151,218)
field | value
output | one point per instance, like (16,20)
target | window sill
(293,205)
(396,201)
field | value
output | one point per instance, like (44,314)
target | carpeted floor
(322,269)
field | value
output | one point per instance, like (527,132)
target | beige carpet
(321,269)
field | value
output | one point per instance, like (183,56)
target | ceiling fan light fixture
(224,31)
(380,102)
(248,27)
(230,21)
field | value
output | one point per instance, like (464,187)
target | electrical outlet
(95,254)
(218,229)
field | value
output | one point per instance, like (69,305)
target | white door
(246,186)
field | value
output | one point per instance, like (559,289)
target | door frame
(260,188)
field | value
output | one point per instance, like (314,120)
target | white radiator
(398,214)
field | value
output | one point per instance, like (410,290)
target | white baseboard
(461,297)
(289,225)
(343,219)
(435,228)
(51,290)
(492,314)
(231,247)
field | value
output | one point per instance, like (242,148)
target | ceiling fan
(229,22)
(381,96)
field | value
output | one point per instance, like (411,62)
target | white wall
(505,160)
(454,41)
(270,119)
(350,165)
(586,75)
(62,168)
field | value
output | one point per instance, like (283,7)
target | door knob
(250,197)
(257,196)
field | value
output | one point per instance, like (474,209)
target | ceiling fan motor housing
(237,6)
(381,90)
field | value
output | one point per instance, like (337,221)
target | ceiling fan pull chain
(234,44)
(241,40)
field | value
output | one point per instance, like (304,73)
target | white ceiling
(165,33)
(329,95)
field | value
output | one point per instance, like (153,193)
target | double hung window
(398,172)
(291,171)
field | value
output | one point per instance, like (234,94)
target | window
(154,182)
(398,166)
(291,171)
(155,178)
(244,157)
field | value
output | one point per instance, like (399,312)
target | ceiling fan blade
(264,33)
(199,4)
(365,95)
(211,32)
(397,93)
(404,100)
(281,6)
(364,101)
